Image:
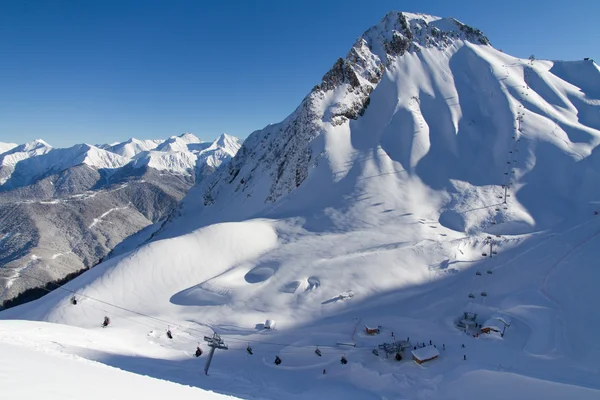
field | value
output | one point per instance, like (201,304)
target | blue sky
(96,71)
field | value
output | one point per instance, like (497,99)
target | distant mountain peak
(189,138)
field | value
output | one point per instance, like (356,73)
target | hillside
(427,175)
(64,210)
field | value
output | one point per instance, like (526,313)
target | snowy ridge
(25,164)
(132,147)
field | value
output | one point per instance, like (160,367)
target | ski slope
(395,203)
(57,375)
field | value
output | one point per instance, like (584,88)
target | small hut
(493,325)
(427,353)
(372,331)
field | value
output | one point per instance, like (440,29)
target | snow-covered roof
(503,318)
(425,353)
(494,324)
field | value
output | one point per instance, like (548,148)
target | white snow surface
(33,362)
(4,147)
(396,206)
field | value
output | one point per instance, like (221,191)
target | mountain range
(64,209)
(428,186)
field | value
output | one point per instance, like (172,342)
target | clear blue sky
(99,71)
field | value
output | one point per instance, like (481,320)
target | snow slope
(4,147)
(58,376)
(372,205)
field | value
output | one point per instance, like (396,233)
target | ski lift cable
(168,323)
(190,330)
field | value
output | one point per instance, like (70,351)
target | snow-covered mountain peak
(188,138)
(416,69)
(173,144)
(228,143)
(38,146)
(24,151)
(98,158)
(132,147)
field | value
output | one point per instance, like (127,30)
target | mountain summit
(426,102)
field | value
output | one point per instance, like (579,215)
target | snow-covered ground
(32,360)
(379,221)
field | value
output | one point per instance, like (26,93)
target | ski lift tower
(214,342)
(490,242)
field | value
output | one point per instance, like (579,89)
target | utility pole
(214,342)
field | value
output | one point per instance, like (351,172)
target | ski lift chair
(344,360)
(249,350)
(277,360)
(478,273)
(483,294)
(318,352)
(471,296)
